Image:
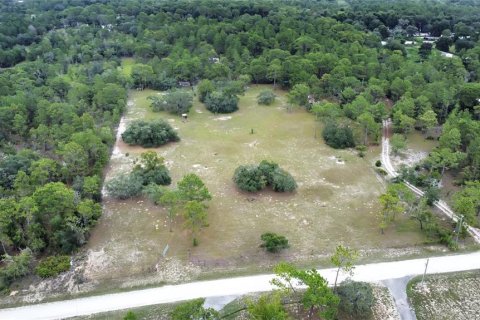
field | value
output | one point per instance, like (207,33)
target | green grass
(335,203)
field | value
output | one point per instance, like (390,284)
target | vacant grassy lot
(335,202)
(448,296)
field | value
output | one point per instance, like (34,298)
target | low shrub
(273,242)
(125,186)
(52,266)
(221,102)
(266,97)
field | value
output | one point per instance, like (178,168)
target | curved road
(232,286)
(441,205)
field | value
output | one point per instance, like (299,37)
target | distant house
(409,43)
(184,83)
(214,59)
(446,54)
(311,99)
(384,43)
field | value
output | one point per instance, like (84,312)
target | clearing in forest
(335,202)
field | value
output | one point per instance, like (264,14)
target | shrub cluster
(273,242)
(266,97)
(221,102)
(338,137)
(173,101)
(254,178)
(150,171)
(52,266)
(356,299)
(149,134)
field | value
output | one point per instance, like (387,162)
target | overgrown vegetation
(52,266)
(149,134)
(273,242)
(253,178)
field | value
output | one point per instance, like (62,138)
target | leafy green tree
(273,242)
(343,259)
(171,199)
(391,206)
(266,97)
(152,169)
(204,88)
(369,126)
(194,309)
(176,102)
(267,307)
(444,159)
(428,119)
(192,188)
(110,97)
(195,218)
(469,94)
(398,143)
(75,159)
(149,134)
(298,95)
(317,297)
(326,110)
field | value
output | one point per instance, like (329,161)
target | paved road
(441,205)
(225,287)
(398,290)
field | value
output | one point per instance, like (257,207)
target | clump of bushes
(266,97)
(338,136)
(173,101)
(52,266)
(254,178)
(15,267)
(221,102)
(356,299)
(149,171)
(273,242)
(149,134)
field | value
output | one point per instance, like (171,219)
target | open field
(446,296)
(335,202)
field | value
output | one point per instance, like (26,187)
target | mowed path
(232,286)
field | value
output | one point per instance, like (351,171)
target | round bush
(125,186)
(378,163)
(356,299)
(249,178)
(266,97)
(338,137)
(273,242)
(149,134)
(282,181)
(220,102)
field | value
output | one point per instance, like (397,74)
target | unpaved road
(441,205)
(232,286)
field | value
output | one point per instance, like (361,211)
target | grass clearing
(335,202)
(446,296)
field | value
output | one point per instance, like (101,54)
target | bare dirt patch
(448,296)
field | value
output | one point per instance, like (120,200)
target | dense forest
(62,91)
